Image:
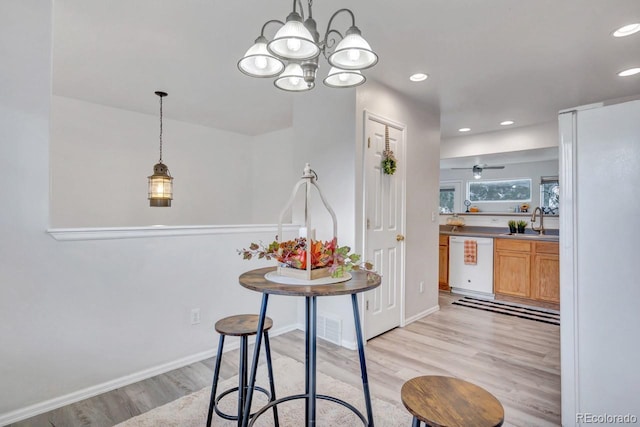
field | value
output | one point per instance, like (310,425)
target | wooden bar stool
(451,402)
(243,326)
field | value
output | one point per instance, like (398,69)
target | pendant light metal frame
(351,45)
(160,191)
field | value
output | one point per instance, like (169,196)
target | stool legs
(214,386)
(242,378)
(272,388)
(415,423)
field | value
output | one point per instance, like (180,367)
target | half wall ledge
(110,233)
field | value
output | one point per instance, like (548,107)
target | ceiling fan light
(339,78)
(477,172)
(293,40)
(258,62)
(292,79)
(353,52)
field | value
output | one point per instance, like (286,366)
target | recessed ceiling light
(629,72)
(627,30)
(418,77)
(464,129)
(507,123)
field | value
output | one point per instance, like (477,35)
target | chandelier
(292,55)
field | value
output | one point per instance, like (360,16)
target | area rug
(191,410)
(539,315)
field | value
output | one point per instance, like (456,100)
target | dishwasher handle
(478,240)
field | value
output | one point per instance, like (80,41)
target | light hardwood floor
(517,360)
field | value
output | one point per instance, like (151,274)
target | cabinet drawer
(512,245)
(547,248)
(444,239)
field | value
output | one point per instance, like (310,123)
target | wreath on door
(389,163)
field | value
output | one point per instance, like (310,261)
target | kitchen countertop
(551,235)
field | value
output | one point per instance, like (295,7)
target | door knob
(399,237)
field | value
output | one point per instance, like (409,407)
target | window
(447,195)
(550,194)
(504,190)
(450,196)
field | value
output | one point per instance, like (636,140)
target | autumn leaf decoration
(388,159)
(293,253)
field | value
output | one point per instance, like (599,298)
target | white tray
(273,276)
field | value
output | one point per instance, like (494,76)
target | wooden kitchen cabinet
(512,268)
(545,276)
(443,263)
(526,269)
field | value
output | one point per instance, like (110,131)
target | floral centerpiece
(292,254)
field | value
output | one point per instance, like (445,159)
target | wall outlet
(433,216)
(195,316)
(421,287)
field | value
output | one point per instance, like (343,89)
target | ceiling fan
(477,169)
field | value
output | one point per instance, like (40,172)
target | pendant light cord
(161,129)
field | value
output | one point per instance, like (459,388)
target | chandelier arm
(353,22)
(329,43)
(273,21)
(299,3)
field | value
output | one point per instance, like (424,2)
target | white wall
(76,315)
(532,170)
(543,135)
(273,174)
(101,157)
(423,160)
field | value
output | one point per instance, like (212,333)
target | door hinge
(368,223)
(367,305)
(369,142)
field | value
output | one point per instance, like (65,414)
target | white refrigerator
(599,263)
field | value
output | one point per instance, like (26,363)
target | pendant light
(161,182)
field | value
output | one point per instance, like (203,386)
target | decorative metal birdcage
(307,181)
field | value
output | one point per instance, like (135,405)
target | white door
(384,222)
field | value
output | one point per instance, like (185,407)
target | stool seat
(446,401)
(241,325)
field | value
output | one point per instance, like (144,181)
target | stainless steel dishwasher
(471,279)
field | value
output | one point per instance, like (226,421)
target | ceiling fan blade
(493,167)
(461,169)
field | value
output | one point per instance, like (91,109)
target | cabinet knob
(399,237)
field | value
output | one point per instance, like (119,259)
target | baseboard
(76,396)
(421,315)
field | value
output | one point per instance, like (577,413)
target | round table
(360,281)
(446,401)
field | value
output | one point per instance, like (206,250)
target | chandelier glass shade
(353,52)
(293,40)
(292,55)
(344,78)
(292,79)
(258,62)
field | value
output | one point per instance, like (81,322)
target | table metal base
(310,368)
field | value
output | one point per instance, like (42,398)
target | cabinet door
(443,269)
(545,284)
(512,273)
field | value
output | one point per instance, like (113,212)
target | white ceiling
(488,60)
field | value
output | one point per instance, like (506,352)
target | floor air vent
(330,328)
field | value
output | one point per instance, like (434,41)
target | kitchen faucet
(540,229)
